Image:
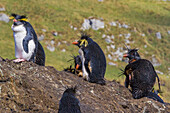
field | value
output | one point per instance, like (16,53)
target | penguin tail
(40,56)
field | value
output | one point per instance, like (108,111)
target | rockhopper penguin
(141,76)
(27,46)
(93,60)
(69,103)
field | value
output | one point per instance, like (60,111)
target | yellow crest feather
(24,19)
(83,41)
(11,17)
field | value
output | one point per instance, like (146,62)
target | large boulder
(27,87)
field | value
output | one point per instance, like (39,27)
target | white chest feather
(85,74)
(19,33)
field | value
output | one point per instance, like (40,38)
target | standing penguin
(141,76)
(69,103)
(93,60)
(27,46)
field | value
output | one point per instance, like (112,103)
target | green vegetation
(144,16)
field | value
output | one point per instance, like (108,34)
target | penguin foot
(19,60)
(80,74)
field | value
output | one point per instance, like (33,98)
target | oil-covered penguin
(141,76)
(27,46)
(69,103)
(93,60)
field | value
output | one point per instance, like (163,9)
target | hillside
(27,87)
(140,24)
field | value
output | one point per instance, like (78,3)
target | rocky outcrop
(27,87)
(4,17)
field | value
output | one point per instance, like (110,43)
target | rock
(27,87)
(112,46)
(112,64)
(125,26)
(109,56)
(169,32)
(86,24)
(158,35)
(108,48)
(112,37)
(159,72)
(59,43)
(155,61)
(120,35)
(108,40)
(41,37)
(113,24)
(44,30)
(118,53)
(145,46)
(103,36)
(51,48)
(52,42)
(120,26)
(55,33)
(4,17)
(95,24)
(127,41)
(2,9)
(75,28)
(71,27)
(65,42)
(143,35)
(108,36)
(127,35)
(63,50)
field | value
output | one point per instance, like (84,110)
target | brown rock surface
(27,87)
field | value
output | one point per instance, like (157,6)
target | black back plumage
(69,103)
(140,75)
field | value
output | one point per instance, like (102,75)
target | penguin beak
(125,55)
(77,66)
(14,20)
(75,43)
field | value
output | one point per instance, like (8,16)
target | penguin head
(78,63)
(84,41)
(70,91)
(19,21)
(133,55)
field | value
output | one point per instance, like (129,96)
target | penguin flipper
(40,56)
(127,82)
(155,97)
(26,41)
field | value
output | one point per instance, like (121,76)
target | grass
(144,16)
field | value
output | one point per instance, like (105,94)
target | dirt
(27,87)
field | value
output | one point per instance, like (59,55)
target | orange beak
(14,20)
(75,43)
(125,55)
(77,66)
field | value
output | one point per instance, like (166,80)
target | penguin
(93,60)
(69,103)
(141,76)
(27,46)
(77,69)
(78,66)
